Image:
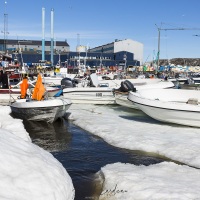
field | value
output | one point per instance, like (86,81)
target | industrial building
(32,46)
(121,53)
(127,45)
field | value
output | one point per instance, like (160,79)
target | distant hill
(180,61)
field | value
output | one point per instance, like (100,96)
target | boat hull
(121,99)
(47,110)
(94,95)
(52,91)
(136,82)
(175,109)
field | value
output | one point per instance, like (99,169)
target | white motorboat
(51,91)
(116,83)
(180,82)
(196,80)
(56,80)
(10,95)
(86,94)
(121,96)
(38,107)
(177,106)
(90,95)
(47,110)
(192,84)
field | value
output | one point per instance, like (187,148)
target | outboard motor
(126,86)
(67,83)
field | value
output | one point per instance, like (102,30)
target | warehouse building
(121,53)
(32,46)
(127,45)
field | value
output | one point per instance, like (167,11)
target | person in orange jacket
(24,86)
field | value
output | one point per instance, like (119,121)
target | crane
(169,29)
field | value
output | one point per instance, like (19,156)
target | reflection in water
(51,137)
(81,153)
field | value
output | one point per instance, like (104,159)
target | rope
(10,100)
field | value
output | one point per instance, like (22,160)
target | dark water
(81,153)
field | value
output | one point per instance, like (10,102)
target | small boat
(195,80)
(193,84)
(121,94)
(176,106)
(180,82)
(11,95)
(47,110)
(88,94)
(56,79)
(116,83)
(51,91)
(38,108)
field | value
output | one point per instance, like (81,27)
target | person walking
(4,80)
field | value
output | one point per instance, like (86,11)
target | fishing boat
(55,80)
(90,95)
(47,110)
(121,94)
(88,91)
(192,84)
(176,106)
(51,91)
(11,94)
(38,108)
(116,83)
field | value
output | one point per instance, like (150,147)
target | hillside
(181,61)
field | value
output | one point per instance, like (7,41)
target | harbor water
(81,153)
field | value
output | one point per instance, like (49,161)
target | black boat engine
(67,83)
(126,86)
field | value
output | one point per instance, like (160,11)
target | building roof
(101,46)
(33,42)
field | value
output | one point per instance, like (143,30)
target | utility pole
(5,31)
(78,50)
(43,34)
(52,37)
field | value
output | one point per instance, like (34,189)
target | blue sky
(93,23)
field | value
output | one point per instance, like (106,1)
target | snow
(126,128)
(28,171)
(165,180)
